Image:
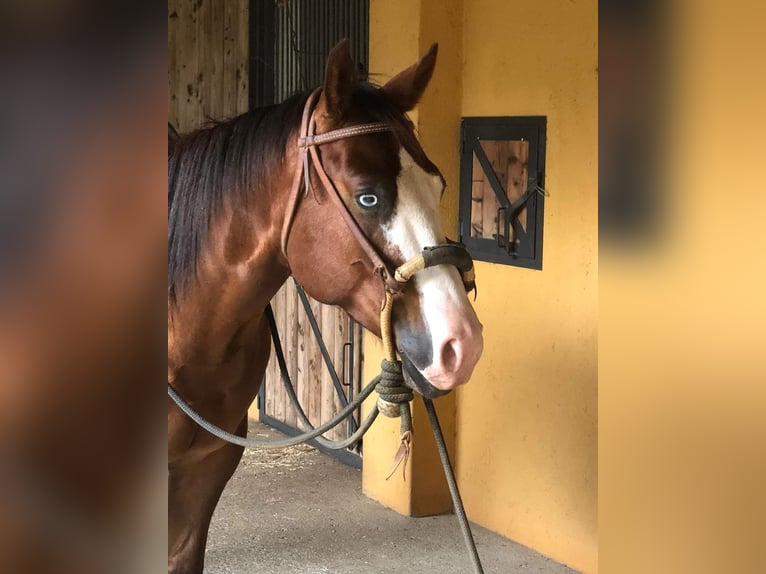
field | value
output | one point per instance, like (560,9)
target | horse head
(391,191)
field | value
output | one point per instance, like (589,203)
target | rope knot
(393,395)
(394,401)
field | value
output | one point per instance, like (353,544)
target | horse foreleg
(193,492)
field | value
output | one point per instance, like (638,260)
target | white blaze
(415,225)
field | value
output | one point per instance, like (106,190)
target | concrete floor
(298,511)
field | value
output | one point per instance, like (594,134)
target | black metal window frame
(527,251)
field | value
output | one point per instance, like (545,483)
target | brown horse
(234,238)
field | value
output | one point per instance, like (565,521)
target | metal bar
(347,349)
(280,58)
(352,343)
(352,350)
(497,187)
(519,233)
(262,399)
(323,349)
(502,238)
(366,28)
(502,198)
(289,49)
(262,25)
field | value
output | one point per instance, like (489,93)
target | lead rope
(457,500)
(394,396)
(394,405)
(394,399)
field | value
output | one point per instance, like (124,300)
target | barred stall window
(502,189)
(290,41)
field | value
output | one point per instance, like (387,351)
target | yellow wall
(527,422)
(525,426)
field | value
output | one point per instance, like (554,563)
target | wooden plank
(204,31)
(341,336)
(499,164)
(327,391)
(207,61)
(284,330)
(489,204)
(272,381)
(214,63)
(477,200)
(173,62)
(502,155)
(512,170)
(304,341)
(243,46)
(316,368)
(230,30)
(291,348)
(188,65)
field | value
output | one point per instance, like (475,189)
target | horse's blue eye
(367,200)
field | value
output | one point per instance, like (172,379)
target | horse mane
(218,162)
(226,160)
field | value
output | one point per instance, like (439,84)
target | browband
(307,146)
(342,133)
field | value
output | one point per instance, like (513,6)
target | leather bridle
(394,279)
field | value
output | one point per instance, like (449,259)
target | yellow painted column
(400,33)
(252,413)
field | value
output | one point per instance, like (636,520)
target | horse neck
(240,270)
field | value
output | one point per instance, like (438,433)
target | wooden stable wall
(207,61)
(313,383)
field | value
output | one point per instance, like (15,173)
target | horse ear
(339,81)
(406,88)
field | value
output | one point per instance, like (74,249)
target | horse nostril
(450,356)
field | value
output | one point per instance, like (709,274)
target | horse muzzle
(440,349)
(417,381)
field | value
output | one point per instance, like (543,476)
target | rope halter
(394,396)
